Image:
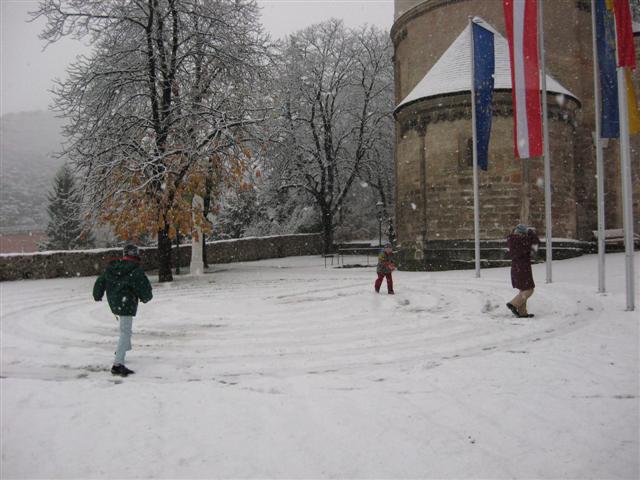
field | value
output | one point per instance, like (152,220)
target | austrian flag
(521,17)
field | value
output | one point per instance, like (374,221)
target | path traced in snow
(285,369)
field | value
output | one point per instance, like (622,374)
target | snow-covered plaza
(285,369)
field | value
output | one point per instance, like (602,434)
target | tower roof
(452,72)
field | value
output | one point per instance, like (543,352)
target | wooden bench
(331,256)
(615,236)
(358,251)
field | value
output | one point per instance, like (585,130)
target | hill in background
(28,142)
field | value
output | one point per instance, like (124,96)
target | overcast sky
(27,72)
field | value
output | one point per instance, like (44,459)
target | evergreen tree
(241,210)
(65,230)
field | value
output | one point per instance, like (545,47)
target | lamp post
(391,233)
(379,209)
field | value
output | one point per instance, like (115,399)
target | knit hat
(130,250)
(520,228)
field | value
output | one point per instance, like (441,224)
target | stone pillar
(197,265)
(422,131)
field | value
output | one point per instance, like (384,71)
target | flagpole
(625,169)
(547,155)
(627,204)
(599,155)
(476,196)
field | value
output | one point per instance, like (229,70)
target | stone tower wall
(435,151)
(434,187)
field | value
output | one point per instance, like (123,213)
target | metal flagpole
(547,155)
(627,205)
(599,155)
(476,196)
(625,168)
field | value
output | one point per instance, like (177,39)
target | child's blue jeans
(124,342)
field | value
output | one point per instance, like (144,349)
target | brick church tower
(434,195)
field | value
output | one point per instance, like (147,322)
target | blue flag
(483,81)
(606,47)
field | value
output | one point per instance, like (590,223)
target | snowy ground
(285,369)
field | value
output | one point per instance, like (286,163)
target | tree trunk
(177,254)
(205,211)
(327,231)
(204,251)
(164,256)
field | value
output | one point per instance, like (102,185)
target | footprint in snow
(489,307)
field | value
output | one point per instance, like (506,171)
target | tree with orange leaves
(159,110)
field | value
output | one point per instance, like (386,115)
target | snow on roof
(636,27)
(452,72)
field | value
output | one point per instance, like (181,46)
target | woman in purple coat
(521,242)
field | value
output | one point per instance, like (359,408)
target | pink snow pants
(379,282)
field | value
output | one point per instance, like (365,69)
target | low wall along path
(82,263)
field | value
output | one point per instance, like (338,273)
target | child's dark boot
(121,370)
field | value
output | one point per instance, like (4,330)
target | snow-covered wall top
(80,263)
(452,72)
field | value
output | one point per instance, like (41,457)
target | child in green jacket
(125,283)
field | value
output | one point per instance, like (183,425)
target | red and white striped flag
(521,18)
(624,34)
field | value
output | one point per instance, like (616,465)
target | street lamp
(380,210)
(391,233)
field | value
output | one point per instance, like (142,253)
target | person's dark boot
(121,370)
(513,309)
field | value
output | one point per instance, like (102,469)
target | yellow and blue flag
(614,43)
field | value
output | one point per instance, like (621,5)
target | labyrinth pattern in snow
(284,369)
(243,321)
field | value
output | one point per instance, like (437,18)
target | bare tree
(160,107)
(379,173)
(335,99)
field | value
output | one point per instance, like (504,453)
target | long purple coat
(520,251)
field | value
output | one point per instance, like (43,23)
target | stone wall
(434,156)
(82,263)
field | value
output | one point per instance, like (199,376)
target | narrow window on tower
(465,152)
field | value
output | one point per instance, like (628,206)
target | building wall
(410,201)
(402,6)
(421,34)
(448,174)
(21,242)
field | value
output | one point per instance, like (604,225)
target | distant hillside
(28,142)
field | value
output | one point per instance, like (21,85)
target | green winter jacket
(125,283)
